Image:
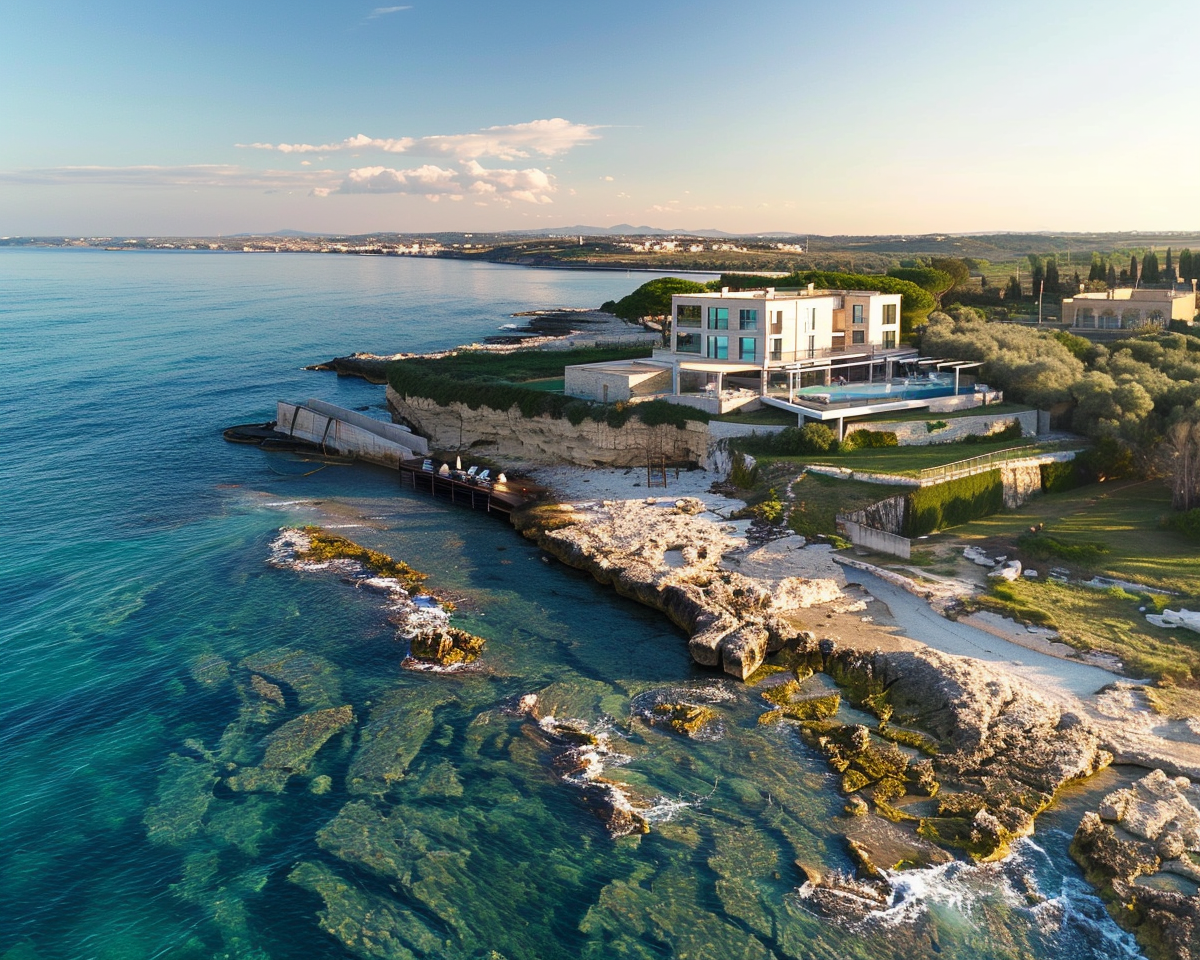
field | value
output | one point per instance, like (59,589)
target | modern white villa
(822,354)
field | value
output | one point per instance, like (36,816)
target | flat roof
(771,293)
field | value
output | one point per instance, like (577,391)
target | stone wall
(916,433)
(508,435)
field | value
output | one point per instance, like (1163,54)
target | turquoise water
(138,605)
(893,390)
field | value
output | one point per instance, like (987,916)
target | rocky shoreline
(961,757)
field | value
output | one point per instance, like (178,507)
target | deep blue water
(137,603)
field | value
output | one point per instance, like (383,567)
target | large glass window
(858,336)
(687,342)
(718,318)
(688,315)
(747,319)
(889,314)
(776,320)
(718,348)
(747,348)
(857,313)
(776,348)
(889,339)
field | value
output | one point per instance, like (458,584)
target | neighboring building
(1128,309)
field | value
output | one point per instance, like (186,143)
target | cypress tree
(1013,291)
(1111,277)
(1186,270)
(1150,269)
(1133,270)
(1053,283)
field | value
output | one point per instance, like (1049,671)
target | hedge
(952,503)
(470,379)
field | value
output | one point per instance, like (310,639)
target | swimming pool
(913,388)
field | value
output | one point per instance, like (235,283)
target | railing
(986,461)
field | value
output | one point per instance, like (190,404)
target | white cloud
(511,142)
(609,179)
(506,186)
(384,11)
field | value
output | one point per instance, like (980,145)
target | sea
(150,655)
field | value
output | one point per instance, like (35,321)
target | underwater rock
(393,735)
(315,681)
(183,797)
(267,690)
(244,824)
(209,670)
(369,926)
(289,750)
(1153,828)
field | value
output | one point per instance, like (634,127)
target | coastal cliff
(508,435)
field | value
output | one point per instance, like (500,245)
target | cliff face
(507,435)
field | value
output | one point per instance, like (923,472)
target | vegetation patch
(325,547)
(952,503)
(500,382)
(1045,547)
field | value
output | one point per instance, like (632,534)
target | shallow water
(138,606)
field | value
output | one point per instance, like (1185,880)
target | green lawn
(769,416)
(1123,518)
(549,385)
(910,461)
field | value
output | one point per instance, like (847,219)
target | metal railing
(982,463)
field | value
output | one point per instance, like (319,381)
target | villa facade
(1128,309)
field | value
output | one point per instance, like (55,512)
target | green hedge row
(1187,523)
(450,380)
(954,502)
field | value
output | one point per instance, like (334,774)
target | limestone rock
(1149,828)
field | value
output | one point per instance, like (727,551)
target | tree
(1133,270)
(1053,283)
(1169,269)
(936,282)
(1097,271)
(957,270)
(1150,269)
(1111,277)
(1013,290)
(1181,449)
(1186,270)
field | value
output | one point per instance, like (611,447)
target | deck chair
(471,473)
(427,466)
(484,476)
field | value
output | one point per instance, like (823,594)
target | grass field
(1123,520)
(909,461)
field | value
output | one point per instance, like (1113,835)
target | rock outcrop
(664,555)
(1141,850)
(509,436)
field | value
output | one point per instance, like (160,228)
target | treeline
(1128,395)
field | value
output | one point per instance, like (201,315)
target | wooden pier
(459,487)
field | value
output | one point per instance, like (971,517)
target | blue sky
(140,118)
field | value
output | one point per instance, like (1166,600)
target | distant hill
(620,229)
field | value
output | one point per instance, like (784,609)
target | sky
(142,118)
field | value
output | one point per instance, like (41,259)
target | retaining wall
(916,433)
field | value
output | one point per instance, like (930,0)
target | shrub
(933,426)
(771,509)
(1046,547)
(1187,523)
(869,440)
(956,501)
(742,474)
(1059,477)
